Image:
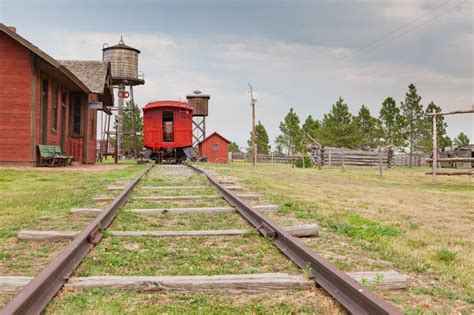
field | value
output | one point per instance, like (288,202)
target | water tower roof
(120,45)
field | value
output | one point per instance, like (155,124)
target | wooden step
(27,235)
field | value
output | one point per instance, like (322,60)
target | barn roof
(44,56)
(212,134)
(93,73)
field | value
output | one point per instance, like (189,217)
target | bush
(306,160)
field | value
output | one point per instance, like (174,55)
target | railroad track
(37,292)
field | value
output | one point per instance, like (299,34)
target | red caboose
(168,133)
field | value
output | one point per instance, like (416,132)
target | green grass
(120,302)
(398,221)
(184,256)
(40,200)
(127,221)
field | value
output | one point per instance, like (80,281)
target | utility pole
(254,135)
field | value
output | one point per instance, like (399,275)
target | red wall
(153,131)
(16,113)
(205,149)
(15,101)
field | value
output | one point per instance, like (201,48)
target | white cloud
(284,75)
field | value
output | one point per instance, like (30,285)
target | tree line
(406,127)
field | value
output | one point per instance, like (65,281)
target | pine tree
(338,128)
(461,140)
(369,129)
(412,111)
(291,135)
(262,140)
(442,139)
(234,147)
(127,127)
(392,124)
(311,128)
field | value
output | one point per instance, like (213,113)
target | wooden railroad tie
(184,197)
(297,231)
(206,210)
(252,283)
(234,187)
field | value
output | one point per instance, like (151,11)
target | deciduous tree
(461,140)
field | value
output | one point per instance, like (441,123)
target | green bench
(52,155)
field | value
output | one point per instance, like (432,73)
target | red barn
(215,148)
(44,101)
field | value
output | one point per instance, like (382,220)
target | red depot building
(215,148)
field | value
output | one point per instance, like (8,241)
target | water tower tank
(124,63)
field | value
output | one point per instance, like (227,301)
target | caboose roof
(167,104)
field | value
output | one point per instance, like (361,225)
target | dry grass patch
(398,220)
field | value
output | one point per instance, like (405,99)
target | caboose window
(168,131)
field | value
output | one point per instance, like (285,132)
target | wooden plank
(297,231)
(453,173)
(46,235)
(456,159)
(386,280)
(230,284)
(193,197)
(208,210)
(86,211)
(174,187)
(12,284)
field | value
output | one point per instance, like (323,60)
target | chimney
(12,28)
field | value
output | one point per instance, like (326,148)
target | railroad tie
(183,197)
(297,231)
(384,280)
(206,210)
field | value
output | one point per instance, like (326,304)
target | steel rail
(356,298)
(34,297)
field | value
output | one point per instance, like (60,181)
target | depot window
(215,147)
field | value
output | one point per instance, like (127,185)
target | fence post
(330,159)
(343,160)
(380,161)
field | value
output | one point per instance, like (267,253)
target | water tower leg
(120,121)
(134,128)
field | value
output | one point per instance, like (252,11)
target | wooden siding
(206,149)
(18,142)
(153,128)
(15,101)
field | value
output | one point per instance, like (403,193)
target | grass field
(399,221)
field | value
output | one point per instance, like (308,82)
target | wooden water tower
(200,103)
(124,67)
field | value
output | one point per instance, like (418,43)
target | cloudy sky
(300,54)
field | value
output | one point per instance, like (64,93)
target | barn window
(54,111)
(215,147)
(75,115)
(168,131)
